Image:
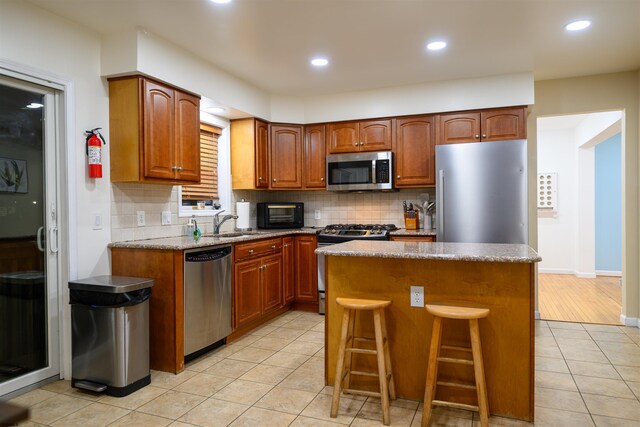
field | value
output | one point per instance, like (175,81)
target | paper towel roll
(242,211)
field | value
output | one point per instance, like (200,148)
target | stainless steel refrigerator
(481,192)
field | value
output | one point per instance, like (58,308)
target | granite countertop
(186,242)
(485,252)
(418,232)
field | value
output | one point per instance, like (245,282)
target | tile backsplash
(361,208)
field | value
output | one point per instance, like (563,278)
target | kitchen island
(497,276)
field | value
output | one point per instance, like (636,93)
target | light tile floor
(586,375)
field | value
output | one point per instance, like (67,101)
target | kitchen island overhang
(497,276)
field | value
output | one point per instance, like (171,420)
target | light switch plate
(417,296)
(166,217)
(96,221)
(140,218)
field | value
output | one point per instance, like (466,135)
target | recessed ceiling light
(437,45)
(319,62)
(577,25)
(221,1)
(35,105)
(215,110)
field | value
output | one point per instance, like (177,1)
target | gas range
(336,233)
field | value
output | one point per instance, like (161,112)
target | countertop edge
(184,243)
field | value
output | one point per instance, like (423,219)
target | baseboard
(630,321)
(609,273)
(536,314)
(586,275)
(556,271)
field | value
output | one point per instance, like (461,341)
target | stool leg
(387,357)
(382,372)
(478,367)
(349,356)
(432,370)
(337,382)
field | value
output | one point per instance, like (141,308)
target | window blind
(208,187)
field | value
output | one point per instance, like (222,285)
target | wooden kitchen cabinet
(166,305)
(315,166)
(352,137)
(155,132)
(258,280)
(414,151)
(489,125)
(306,269)
(288,269)
(286,156)
(249,154)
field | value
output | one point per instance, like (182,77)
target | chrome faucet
(217,222)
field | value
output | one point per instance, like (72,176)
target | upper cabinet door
(262,154)
(505,123)
(286,156)
(314,157)
(187,137)
(458,128)
(414,149)
(342,137)
(158,131)
(374,135)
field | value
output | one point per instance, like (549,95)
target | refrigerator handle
(440,206)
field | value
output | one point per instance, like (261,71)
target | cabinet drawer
(263,247)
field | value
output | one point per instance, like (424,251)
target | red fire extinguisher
(94,152)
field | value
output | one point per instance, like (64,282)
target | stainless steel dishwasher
(207,299)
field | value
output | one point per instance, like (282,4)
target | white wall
(557,235)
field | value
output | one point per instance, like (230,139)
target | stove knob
(332,231)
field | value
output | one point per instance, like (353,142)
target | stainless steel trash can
(110,334)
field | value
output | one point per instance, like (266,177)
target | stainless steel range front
(339,233)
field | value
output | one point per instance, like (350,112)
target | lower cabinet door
(288,270)
(248,295)
(271,277)
(306,269)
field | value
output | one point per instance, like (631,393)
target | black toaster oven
(280,215)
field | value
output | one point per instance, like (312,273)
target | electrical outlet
(417,296)
(166,217)
(140,218)
(316,214)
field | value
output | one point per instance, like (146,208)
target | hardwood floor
(567,298)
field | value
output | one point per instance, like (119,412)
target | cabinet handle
(250,251)
(275,180)
(398,177)
(260,178)
(484,135)
(362,143)
(273,246)
(477,136)
(285,246)
(321,179)
(355,144)
(177,168)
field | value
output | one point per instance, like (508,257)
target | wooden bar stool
(347,340)
(451,311)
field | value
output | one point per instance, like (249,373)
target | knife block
(411,223)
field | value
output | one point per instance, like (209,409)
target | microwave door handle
(373,171)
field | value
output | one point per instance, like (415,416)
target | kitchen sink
(234,234)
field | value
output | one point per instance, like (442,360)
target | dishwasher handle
(207,255)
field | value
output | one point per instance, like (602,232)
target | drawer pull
(322,179)
(251,251)
(273,246)
(484,136)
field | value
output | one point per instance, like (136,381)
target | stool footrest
(456,384)
(361,392)
(453,347)
(366,374)
(455,405)
(454,360)
(360,350)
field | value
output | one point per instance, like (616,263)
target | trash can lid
(111,284)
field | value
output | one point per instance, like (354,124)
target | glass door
(29,319)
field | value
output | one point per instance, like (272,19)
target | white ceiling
(378,43)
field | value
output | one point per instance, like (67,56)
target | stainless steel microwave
(360,171)
(280,215)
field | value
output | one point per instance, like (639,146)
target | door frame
(66,192)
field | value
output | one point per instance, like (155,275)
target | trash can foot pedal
(91,386)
